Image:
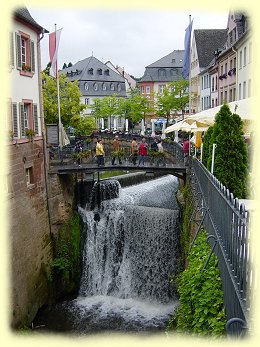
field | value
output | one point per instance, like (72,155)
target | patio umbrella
(187,125)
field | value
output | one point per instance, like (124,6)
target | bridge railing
(229,224)
(173,152)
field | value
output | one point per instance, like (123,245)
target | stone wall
(31,228)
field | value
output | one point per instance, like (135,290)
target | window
(112,87)
(234,94)
(119,87)
(225,67)
(25,54)
(250,52)
(230,95)
(142,90)
(147,89)
(212,85)
(221,69)
(86,101)
(249,88)
(202,80)
(106,72)
(161,88)
(216,83)
(230,38)
(231,64)
(90,71)
(239,91)
(244,89)
(26,117)
(235,62)
(240,59)
(216,102)
(162,72)
(212,103)
(99,71)
(245,56)
(86,86)
(104,87)
(95,86)
(29,176)
(221,98)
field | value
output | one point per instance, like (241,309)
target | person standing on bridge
(116,148)
(100,153)
(134,150)
(143,149)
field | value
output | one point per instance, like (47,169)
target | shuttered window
(15,119)
(22,119)
(35,119)
(18,52)
(11,50)
(32,56)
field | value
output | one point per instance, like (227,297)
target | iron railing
(228,223)
(173,152)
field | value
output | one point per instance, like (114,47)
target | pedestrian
(143,148)
(186,150)
(100,152)
(160,152)
(116,148)
(134,150)
(154,149)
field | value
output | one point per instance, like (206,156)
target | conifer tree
(231,158)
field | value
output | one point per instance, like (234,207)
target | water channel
(130,250)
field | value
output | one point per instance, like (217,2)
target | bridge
(70,161)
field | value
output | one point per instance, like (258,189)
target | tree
(69,99)
(83,125)
(174,98)
(231,157)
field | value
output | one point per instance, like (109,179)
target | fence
(228,224)
(173,152)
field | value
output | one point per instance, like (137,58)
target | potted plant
(30,134)
(26,68)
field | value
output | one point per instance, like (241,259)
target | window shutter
(18,52)
(11,54)
(15,119)
(32,56)
(35,119)
(22,119)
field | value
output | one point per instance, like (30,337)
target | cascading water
(129,254)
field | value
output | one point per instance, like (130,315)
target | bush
(201,298)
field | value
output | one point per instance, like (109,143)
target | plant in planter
(11,135)
(30,133)
(26,68)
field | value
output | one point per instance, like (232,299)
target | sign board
(52,134)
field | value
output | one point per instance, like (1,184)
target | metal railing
(173,152)
(228,223)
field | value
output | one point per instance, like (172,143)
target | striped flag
(186,63)
(54,39)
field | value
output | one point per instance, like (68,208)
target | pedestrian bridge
(70,161)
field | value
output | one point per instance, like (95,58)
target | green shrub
(200,295)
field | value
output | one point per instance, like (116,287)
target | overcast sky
(132,39)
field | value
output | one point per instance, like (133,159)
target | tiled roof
(87,70)
(207,41)
(166,69)
(25,15)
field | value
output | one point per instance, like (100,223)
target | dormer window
(112,87)
(106,72)
(86,86)
(90,71)
(104,87)
(99,71)
(119,87)
(95,86)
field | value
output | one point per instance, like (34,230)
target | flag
(186,63)
(54,39)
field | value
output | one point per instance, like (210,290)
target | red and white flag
(54,39)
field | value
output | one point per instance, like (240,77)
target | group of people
(137,150)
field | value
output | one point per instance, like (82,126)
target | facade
(204,43)
(130,83)
(25,182)
(159,74)
(95,80)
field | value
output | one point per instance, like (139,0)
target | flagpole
(58,97)
(190,73)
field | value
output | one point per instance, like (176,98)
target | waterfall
(128,256)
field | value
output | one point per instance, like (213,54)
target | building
(95,80)
(204,43)
(30,242)
(159,75)
(130,83)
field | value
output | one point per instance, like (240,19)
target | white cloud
(132,39)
